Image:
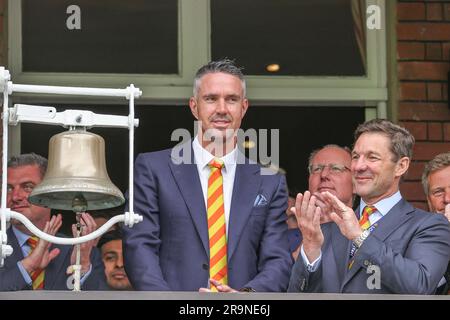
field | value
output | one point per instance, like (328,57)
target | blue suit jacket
(411,247)
(11,278)
(169,250)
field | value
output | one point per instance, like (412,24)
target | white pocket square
(260,201)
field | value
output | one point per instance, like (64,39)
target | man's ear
(402,166)
(193,106)
(244,106)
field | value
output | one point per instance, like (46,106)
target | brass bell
(76,177)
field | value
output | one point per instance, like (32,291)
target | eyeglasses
(333,167)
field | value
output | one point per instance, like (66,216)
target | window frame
(194,50)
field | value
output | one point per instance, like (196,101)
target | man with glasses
(392,247)
(329,170)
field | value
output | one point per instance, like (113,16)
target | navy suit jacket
(169,249)
(11,278)
(410,247)
(445,288)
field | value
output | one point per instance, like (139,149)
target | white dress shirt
(202,158)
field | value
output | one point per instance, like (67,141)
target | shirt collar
(203,157)
(384,205)
(22,238)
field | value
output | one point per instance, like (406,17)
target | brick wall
(423,54)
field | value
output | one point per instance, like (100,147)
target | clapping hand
(308,216)
(343,216)
(41,256)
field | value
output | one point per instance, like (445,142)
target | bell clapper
(79,205)
(77,266)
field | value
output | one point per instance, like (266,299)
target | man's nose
(221,106)
(359,164)
(447,196)
(325,173)
(119,261)
(17,194)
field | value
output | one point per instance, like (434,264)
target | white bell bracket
(48,115)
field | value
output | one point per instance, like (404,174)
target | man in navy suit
(24,173)
(436,185)
(169,250)
(392,248)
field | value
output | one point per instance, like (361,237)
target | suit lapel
(247,181)
(188,181)
(17,254)
(349,274)
(396,217)
(340,245)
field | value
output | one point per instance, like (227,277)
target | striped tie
(364,221)
(216,225)
(38,275)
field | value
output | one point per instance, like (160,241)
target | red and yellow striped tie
(364,221)
(38,275)
(216,225)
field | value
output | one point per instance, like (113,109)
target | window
(110,36)
(316,68)
(289,37)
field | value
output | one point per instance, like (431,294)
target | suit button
(367,263)
(205,266)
